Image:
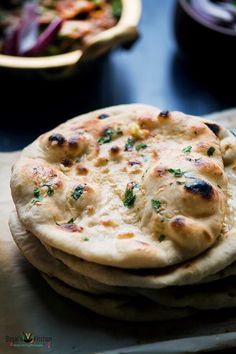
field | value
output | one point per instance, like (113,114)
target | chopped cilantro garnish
(71,221)
(141,146)
(116,8)
(176,172)
(163,219)
(50,190)
(187,150)
(211,151)
(79,190)
(156,204)
(162,238)
(86,239)
(130,197)
(37,195)
(107,137)
(129,145)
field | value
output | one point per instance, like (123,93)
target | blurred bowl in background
(201,40)
(65,64)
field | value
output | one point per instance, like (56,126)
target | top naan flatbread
(127,186)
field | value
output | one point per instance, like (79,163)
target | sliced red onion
(211,12)
(229,7)
(46,37)
(29,28)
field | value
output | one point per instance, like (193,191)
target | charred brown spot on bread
(209,167)
(200,187)
(134,162)
(198,129)
(72,227)
(101,161)
(215,128)
(228,147)
(73,141)
(115,150)
(108,223)
(126,235)
(155,154)
(57,139)
(164,114)
(67,163)
(82,170)
(103,116)
(178,222)
(146,122)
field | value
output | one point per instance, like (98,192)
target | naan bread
(127,186)
(36,254)
(121,308)
(217,263)
(214,296)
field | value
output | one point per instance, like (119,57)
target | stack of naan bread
(130,211)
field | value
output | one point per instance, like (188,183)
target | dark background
(152,71)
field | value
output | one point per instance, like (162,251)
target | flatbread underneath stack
(122,302)
(132,235)
(125,304)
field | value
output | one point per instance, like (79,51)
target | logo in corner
(28,340)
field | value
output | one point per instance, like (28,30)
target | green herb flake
(129,145)
(37,195)
(97,2)
(141,146)
(129,197)
(162,238)
(107,137)
(79,190)
(116,8)
(211,151)
(71,221)
(163,219)
(50,191)
(86,239)
(176,172)
(156,205)
(187,150)
(219,186)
